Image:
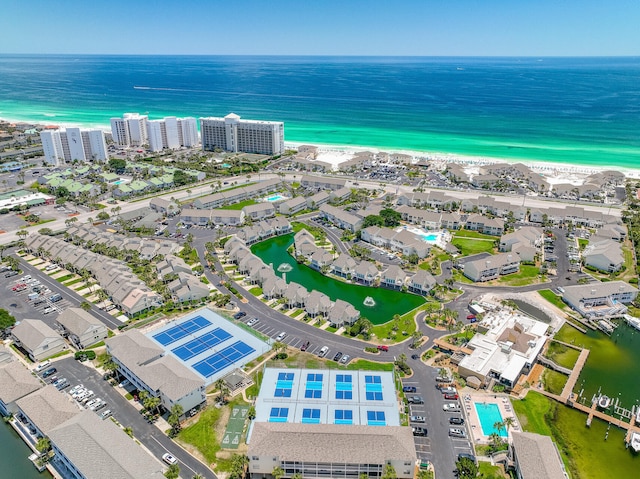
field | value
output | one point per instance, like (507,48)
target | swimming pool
(489,414)
(430,238)
(119,182)
(275,198)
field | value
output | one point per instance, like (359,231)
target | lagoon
(386,303)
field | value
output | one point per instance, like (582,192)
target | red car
(382,347)
(451,397)
(471,316)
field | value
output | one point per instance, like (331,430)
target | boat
(605,326)
(634,441)
(632,321)
(604,401)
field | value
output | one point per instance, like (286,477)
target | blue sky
(322,27)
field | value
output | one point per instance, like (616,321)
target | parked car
(456,420)
(337,356)
(305,346)
(49,372)
(415,400)
(239,314)
(281,336)
(417,419)
(345,359)
(419,431)
(324,350)
(456,432)
(253,321)
(448,390)
(471,316)
(451,397)
(409,389)
(169,459)
(471,457)
(451,407)
(106,414)
(43,365)
(10,274)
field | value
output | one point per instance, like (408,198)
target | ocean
(578,111)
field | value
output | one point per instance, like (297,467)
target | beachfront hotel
(248,136)
(73,144)
(130,130)
(172,133)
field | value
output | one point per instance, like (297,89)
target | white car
(75,389)
(345,359)
(451,407)
(106,414)
(78,392)
(43,365)
(281,336)
(91,402)
(169,459)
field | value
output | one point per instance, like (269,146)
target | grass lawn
(584,450)
(202,435)
(490,472)
(257,291)
(239,206)
(554,381)
(528,274)
(405,324)
(458,277)
(190,258)
(77,280)
(553,298)
(296,313)
(64,278)
(470,246)
(562,355)
(474,234)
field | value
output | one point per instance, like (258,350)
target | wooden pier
(573,377)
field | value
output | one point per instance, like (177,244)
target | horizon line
(313,55)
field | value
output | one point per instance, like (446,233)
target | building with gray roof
(603,254)
(16,381)
(341,218)
(600,299)
(87,447)
(487,269)
(47,408)
(81,327)
(37,339)
(536,456)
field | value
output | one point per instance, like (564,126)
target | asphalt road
(153,439)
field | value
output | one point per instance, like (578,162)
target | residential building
(393,277)
(603,254)
(259,211)
(422,282)
(172,133)
(487,269)
(600,299)
(535,456)
(81,328)
(164,206)
(248,136)
(366,273)
(341,218)
(345,423)
(37,339)
(483,224)
(237,195)
(344,266)
(321,182)
(187,287)
(525,242)
(172,265)
(130,130)
(16,381)
(340,195)
(145,364)
(85,446)
(509,348)
(343,314)
(47,408)
(292,206)
(403,241)
(72,144)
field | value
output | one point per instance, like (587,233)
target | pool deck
(467,400)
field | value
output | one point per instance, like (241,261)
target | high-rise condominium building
(172,133)
(73,144)
(248,136)
(130,130)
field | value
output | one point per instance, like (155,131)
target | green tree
(152,403)
(466,468)
(43,445)
(372,220)
(391,217)
(129,431)
(174,417)
(117,165)
(277,472)
(389,472)
(239,463)
(86,306)
(172,472)
(13,263)
(103,216)
(6,319)
(222,387)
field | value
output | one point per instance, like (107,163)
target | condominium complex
(73,144)
(248,136)
(172,133)
(130,130)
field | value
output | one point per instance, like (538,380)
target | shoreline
(554,172)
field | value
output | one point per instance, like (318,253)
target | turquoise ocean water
(579,111)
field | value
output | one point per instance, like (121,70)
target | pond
(378,305)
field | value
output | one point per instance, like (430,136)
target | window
(376,418)
(344,395)
(279,414)
(343,416)
(313,393)
(373,396)
(311,416)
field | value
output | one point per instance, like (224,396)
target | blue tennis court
(181,330)
(201,343)
(220,360)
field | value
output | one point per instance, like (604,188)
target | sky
(323,27)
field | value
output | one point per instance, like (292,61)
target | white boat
(635,441)
(632,321)
(604,401)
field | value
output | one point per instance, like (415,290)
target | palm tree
(173,472)
(277,472)
(174,417)
(509,422)
(43,445)
(222,387)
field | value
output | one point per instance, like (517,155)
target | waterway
(14,454)
(387,302)
(613,364)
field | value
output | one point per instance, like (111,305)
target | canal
(14,456)
(385,303)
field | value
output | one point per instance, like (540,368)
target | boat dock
(573,377)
